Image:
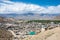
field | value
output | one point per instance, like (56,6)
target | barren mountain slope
(53,34)
(5,35)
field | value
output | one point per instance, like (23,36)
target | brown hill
(5,35)
(1,19)
(57,17)
(53,34)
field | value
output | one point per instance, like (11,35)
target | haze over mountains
(32,16)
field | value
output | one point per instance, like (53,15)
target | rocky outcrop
(5,35)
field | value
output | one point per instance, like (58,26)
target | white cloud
(15,7)
(4,0)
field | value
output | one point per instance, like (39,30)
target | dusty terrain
(53,34)
(5,35)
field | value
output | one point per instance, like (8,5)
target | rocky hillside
(53,34)
(57,17)
(1,19)
(5,35)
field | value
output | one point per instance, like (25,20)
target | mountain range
(30,16)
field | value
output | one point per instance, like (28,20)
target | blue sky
(40,2)
(34,6)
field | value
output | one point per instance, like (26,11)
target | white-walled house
(43,28)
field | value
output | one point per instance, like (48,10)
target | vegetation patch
(44,21)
